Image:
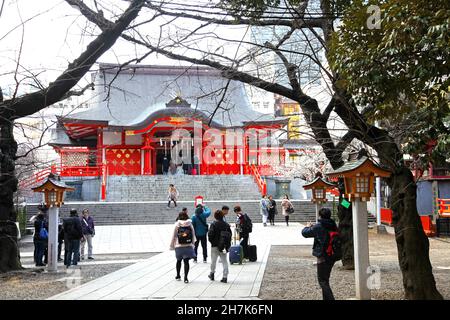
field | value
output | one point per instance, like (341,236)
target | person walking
(182,242)
(40,238)
(219,235)
(320,232)
(199,221)
(72,235)
(243,227)
(87,225)
(286,207)
(172,195)
(272,210)
(264,209)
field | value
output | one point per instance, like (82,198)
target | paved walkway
(154,278)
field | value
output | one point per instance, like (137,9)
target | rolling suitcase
(252,253)
(236,254)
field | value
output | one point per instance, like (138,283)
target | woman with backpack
(287,208)
(183,240)
(219,235)
(199,221)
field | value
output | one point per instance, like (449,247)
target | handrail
(262,185)
(64,171)
(444,207)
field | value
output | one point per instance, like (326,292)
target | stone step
(157,212)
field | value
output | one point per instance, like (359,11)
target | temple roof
(137,94)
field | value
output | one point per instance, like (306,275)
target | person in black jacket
(72,236)
(272,210)
(219,235)
(242,221)
(60,240)
(39,243)
(320,232)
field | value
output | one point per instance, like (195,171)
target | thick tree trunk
(346,231)
(412,243)
(9,250)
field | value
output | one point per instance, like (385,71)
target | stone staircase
(154,188)
(134,213)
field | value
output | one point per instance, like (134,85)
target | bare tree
(200,22)
(21,106)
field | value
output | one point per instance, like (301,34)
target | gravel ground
(291,275)
(36,284)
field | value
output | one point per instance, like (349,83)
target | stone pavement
(154,278)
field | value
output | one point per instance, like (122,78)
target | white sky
(53,35)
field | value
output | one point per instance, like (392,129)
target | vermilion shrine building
(130,129)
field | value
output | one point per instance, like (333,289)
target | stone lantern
(53,190)
(359,175)
(319,188)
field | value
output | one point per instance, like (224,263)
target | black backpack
(248,225)
(184,235)
(224,241)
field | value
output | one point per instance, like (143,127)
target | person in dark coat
(72,236)
(165,165)
(214,236)
(320,232)
(60,240)
(272,210)
(40,243)
(241,222)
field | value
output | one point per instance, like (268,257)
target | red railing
(427,222)
(65,172)
(81,171)
(444,207)
(259,181)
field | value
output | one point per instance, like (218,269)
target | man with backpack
(244,226)
(219,235)
(201,229)
(326,247)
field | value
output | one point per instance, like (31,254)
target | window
(255,104)
(362,184)
(266,105)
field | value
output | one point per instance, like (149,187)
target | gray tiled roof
(138,92)
(316,179)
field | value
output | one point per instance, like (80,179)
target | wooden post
(361,248)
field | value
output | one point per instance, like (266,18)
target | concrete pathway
(154,278)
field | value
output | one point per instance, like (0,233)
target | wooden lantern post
(359,178)
(319,188)
(53,190)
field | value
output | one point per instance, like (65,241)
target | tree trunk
(412,243)
(346,231)
(9,250)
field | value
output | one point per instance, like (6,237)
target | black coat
(72,228)
(273,207)
(38,224)
(320,233)
(214,231)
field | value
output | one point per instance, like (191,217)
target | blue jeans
(39,249)
(71,252)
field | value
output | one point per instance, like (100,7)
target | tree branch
(33,102)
